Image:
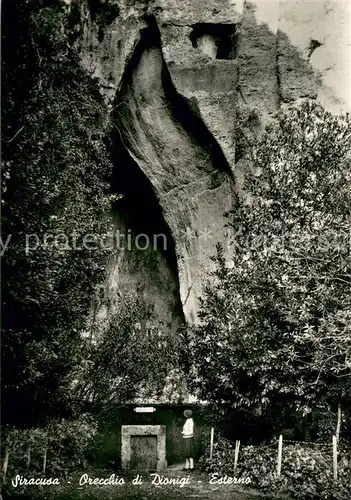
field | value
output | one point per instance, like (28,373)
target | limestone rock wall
(186,167)
(179,76)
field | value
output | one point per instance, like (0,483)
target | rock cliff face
(181,77)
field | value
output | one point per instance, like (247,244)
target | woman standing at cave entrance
(188,440)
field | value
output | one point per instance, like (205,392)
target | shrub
(306,471)
(66,441)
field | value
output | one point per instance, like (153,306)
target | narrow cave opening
(139,208)
(313,45)
(219,41)
(139,205)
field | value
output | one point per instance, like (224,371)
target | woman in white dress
(188,440)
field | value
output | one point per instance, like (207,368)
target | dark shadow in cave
(139,206)
(224,36)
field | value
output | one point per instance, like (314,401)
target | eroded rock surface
(181,76)
(186,167)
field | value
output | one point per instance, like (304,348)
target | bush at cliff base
(306,474)
(66,443)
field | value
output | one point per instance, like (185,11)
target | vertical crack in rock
(181,166)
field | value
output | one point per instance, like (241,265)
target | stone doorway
(143,447)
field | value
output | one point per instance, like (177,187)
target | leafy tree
(275,332)
(133,357)
(56,201)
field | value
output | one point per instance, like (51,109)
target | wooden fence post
(338,423)
(236,456)
(45,457)
(6,463)
(280,449)
(28,456)
(211,442)
(335,458)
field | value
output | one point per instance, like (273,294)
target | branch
(16,134)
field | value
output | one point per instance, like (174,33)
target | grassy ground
(197,487)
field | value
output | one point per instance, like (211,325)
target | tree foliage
(133,357)
(56,204)
(56,182)
(275,329)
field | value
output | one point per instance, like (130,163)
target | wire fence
(331,450)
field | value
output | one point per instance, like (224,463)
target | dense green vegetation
(306,470)
(56,181)
(276,335)
(133,356)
